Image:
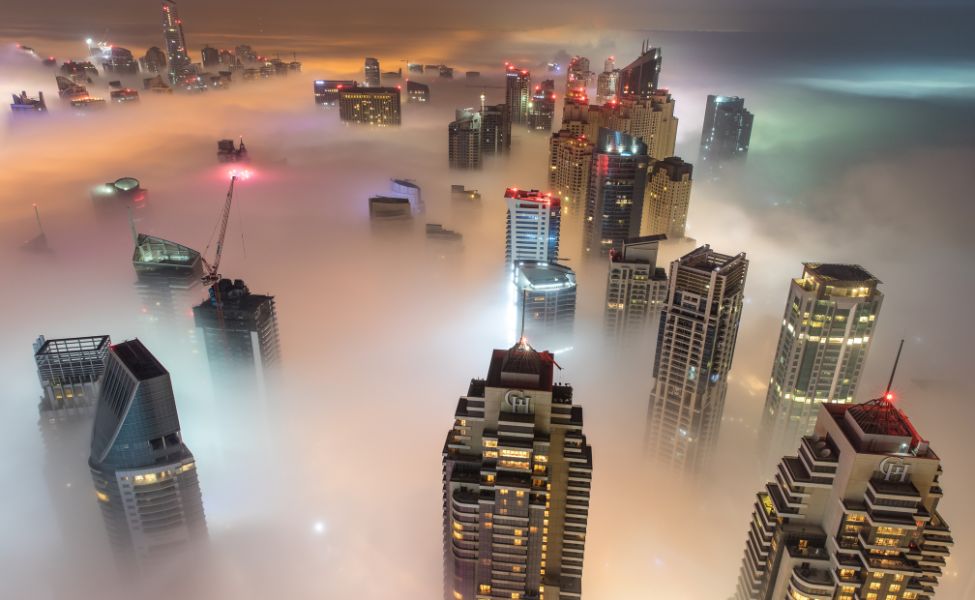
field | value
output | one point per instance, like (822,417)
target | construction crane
(211,272)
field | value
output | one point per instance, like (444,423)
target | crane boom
(211,273)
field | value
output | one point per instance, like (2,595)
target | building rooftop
(521,366)
(151,250)
(545,276)
(138,360)
(706,259)
(533,196)
(674,166)
(839,273)
(72,345)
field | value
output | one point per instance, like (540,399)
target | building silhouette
(327,90)
(371,73)
(827,328)
(541,109)
(641,77)
(120,61)
(417,92)
(614,199)
(516,477)
(636,288)
(726,134)
(667,198)
(154,60)
(210,57)
(695,346)
(495,129)
(464,140)
(180,65)
(144,474)
(853,514)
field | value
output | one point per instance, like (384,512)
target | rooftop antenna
(37,215)
(890,381)
(524,309)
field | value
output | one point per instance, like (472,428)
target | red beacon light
(889,396)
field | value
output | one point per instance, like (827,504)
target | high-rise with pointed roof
(641,77)
(144,474)
(695,347)
(852,515)
(516,477)
(830,315)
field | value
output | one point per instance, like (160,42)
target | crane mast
(211,273)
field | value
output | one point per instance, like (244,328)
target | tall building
(495,128)
(636,288)
(606,84)
(827,328)
(370,106)
(168,277)
(210,56)
(154,61)
(726,133)
(517,473)
(327,90)
(854,514)
(70,372)
(641,77)
(614,200)
(464,140)
(120,61)
(240,332)
(371,73)
(517,94)
(546,297)
(180,65)
(417,92)
(144,474)
(408,189)
(695,347)
(650,118)
(667,198)
(534,220)
(541,109)
(570,161)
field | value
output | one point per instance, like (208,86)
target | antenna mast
(890,381)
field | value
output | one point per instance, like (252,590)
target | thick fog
(333,489)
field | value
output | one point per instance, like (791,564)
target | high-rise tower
(614,200)
(534,219)
(695,347)
(371,74)
(667,198)
(144,474)
(180,64)
(853,515)
(517,93)
(570,162)
(464,140)
(517,472)
(641,77)
(636,287)
(827,328)
(541,109)
(726,133)
(495,128)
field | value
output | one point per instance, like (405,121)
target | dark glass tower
(517,472)
(726,133)
(641,77)
(240,332)
(495,129)
(144,475)
(180,64)
(517,94)
(614,201)
(541,110)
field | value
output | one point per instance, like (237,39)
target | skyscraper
(607,82)
(464,140)
(854,514)
(153,61)
(120,60)
(240,332)
(636,288)
(614,200)
(641,77)
(541,109)
(370,106)
(695,347)
(371,73)
(70,372)
(532,229)
(495,128)
(180,64)
(327,90)
(651,119)
(417,92)
(546,296)
(517,472)
(517,93)
(168,277)
(210,56)
(827,328)
(726,133)
(144,474)
(408,189)
(667,198)
(570,161)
